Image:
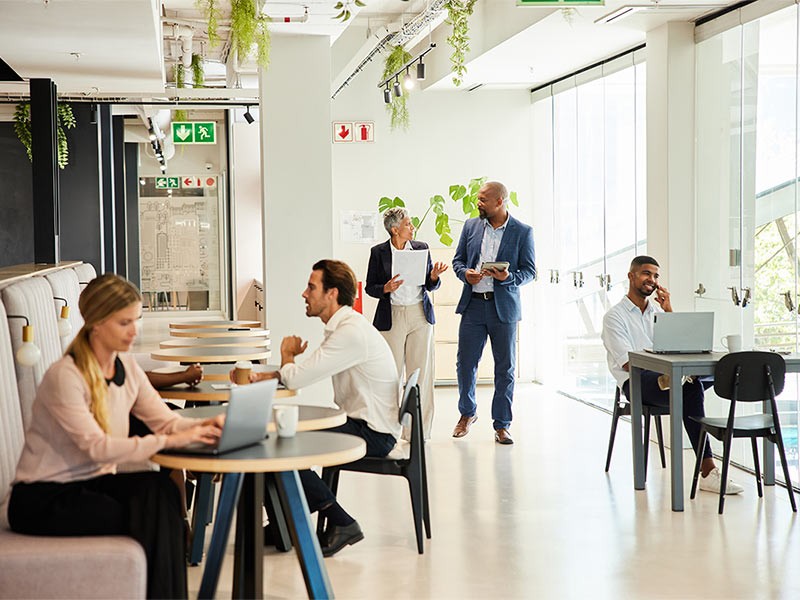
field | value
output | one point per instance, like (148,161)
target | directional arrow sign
(182,133)
(161,183)
(342,131)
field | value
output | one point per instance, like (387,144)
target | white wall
(246,218)
(454,136)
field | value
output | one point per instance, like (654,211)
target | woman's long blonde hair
(104,296)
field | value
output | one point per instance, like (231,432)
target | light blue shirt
(490,244)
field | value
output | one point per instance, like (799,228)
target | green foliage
(248,29)
(22,127)
(180,115)
(458,12)
(180,75)
(211,13)
(397,108)
(198,74)
(465,196)
(345,9)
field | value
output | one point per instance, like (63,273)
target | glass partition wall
(746,195)
(589,186)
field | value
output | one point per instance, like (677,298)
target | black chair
(746,377)
(623,408)
(412,468)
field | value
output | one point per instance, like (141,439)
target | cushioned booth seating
(85,273)
(65,284)
(54,567)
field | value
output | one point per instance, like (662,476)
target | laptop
(248,414)
(683,333)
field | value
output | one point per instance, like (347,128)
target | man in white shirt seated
(628,326)
(365,384)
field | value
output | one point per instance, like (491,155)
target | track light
(408,82)
(421,70)
(248,117)
(64,326)
(387,94)
(404,71)
(28,353)
(398,91)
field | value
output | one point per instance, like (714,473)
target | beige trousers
(411,341)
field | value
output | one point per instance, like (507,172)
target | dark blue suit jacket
(379,272)
(516,248)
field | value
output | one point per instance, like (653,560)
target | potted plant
(464,195)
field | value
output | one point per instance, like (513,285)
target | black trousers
(144,506)
(693,397)
(319,495)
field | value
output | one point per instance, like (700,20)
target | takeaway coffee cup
(241,372)
(286,416)
(732,343)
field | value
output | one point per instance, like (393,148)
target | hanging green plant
(458,13)
(248,29)
(65,120)
(345,9)
(198,73)
(180,75)
(211,13)
(397,108)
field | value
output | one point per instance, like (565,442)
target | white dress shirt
(354,354)
(490,244)
(626,328)
(405,295)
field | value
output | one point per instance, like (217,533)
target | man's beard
(481,214)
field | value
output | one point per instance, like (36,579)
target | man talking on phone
(494,258)
(628,326)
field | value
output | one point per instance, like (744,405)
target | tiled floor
(541,519)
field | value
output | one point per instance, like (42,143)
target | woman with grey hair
(405,315)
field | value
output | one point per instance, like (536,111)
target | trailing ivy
(211,13)
(65,120)
(397,108)
(458,13)
(198,74)
(248,29)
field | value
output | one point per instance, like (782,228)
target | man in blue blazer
(490,304)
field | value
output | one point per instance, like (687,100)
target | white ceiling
(116,47)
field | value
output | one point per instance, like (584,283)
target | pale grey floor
(541,519)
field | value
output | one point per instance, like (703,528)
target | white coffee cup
(286,416)
(241,372)
(732,343)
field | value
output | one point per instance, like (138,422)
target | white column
(297,187)
(670,157)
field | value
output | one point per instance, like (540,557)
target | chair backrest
(410,399)
(753,383)
(85,273)
(11,431)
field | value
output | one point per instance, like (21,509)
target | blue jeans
(478,322)
(693,397)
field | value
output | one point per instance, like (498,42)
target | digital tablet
(500,266)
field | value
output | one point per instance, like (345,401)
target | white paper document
(411,265)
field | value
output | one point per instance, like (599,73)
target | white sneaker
(713,481)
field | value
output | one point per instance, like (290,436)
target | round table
(243,484)
(218,333)
(216,342)
(210,355)
(204,392)
(213,324)
(311,418)
(212,372)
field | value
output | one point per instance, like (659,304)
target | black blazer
(379,272)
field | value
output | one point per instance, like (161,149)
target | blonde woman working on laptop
(627,327)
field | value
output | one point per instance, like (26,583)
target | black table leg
(277,518)
(228,498)
(248,562)
(201,516)
(304,535)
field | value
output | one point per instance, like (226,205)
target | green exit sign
(561,3)
(194,132)
(168,183)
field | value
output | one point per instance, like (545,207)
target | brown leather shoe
(501,436)
(463,425)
